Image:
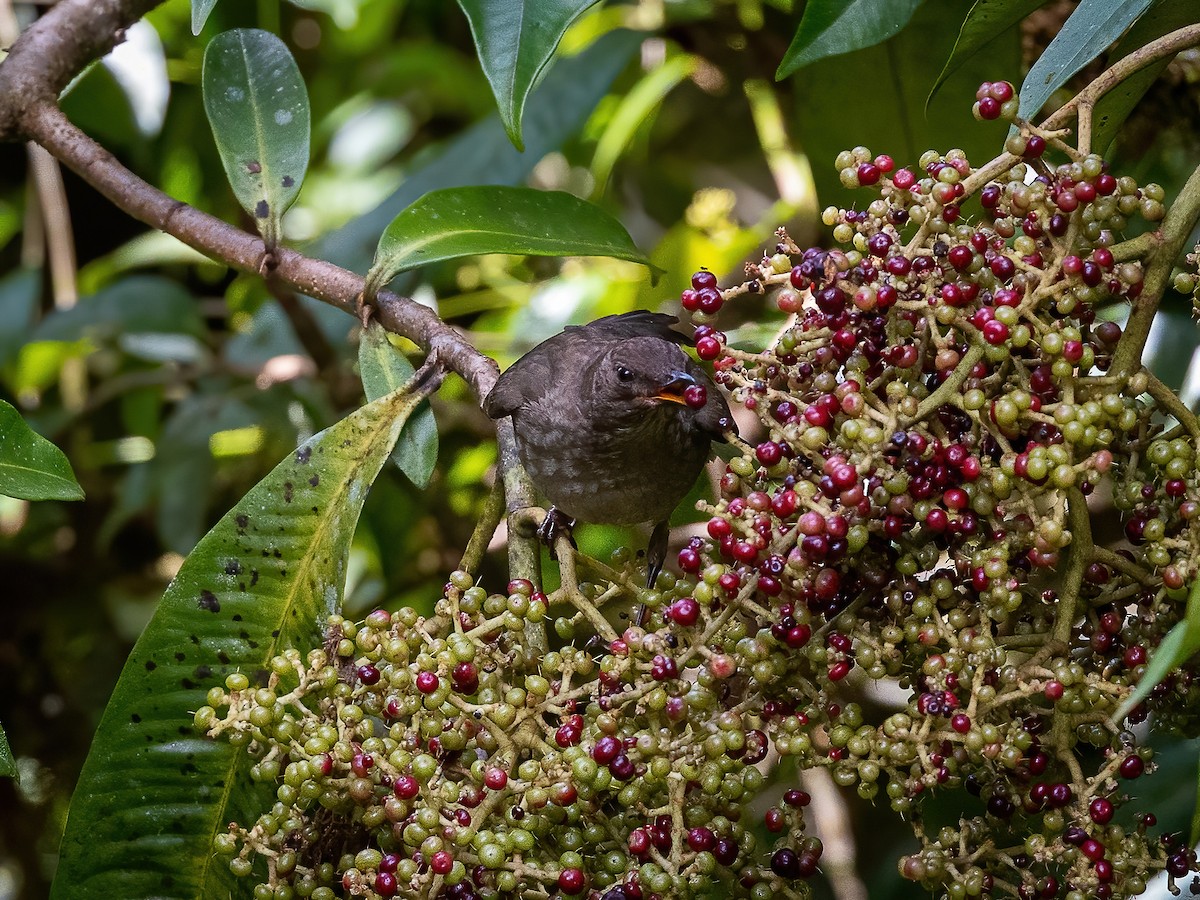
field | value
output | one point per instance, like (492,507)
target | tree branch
(75,32)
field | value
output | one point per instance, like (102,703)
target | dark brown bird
(604,425)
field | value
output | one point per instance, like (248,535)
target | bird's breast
(635,469)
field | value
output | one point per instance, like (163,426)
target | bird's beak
(674,388)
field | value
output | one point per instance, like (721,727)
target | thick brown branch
(48,126)
(55,49)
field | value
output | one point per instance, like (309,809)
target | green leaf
(1180,644)
(987,20)
(1091,28)
(8,765)
(383,368)
(32,468)
(140,304)
(467,221)
(483,154)
(1114,107)
(515,40)
(258,108)
(154,791)
(200,11)
(833,27)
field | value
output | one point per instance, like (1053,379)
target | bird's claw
(556,524)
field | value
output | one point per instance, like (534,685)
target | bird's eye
(624,374)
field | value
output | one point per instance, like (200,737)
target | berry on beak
(676,388)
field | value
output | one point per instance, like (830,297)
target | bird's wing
(530,378)
(639,323)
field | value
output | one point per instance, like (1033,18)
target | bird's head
(645,371)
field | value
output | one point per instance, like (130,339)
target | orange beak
(673,390)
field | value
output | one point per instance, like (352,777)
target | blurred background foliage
(174,383)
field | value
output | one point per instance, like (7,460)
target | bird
(613,423)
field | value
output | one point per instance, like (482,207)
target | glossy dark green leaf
(515,40)
(833,27)
(1091,29)
(987,20)
(484,155)
(8,765)
(258,108)
(154,791)
(1114,107)
(383,368)
(467,221)
(200,11)
(32,468)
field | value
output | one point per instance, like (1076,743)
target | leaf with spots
(257,106)
(154,792)
(383,368)
(467,221)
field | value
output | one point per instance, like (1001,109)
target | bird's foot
(556,524)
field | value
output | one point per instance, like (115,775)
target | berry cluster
(944,417)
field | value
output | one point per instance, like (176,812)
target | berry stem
(950,386)
(1080,524)
(489,520)
(1169,239)
(1172,404)
(1167,45)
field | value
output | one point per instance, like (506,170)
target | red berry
(684,611)
(868,173)
(405,787)
(385,884)
(768,453)
(696,395)
(988,108)
(707,348)
(704,279)
(1101,810)
(427,682)
(368,674)
(572,881)
(1132,766)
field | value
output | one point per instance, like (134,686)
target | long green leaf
(200,11)
(515,40)
(32,468)
(154,792)
(258,108)
(383,368)
(1114,107)
(987,20)
(1091,28)
(833,27)
(467,221)
(483,154)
